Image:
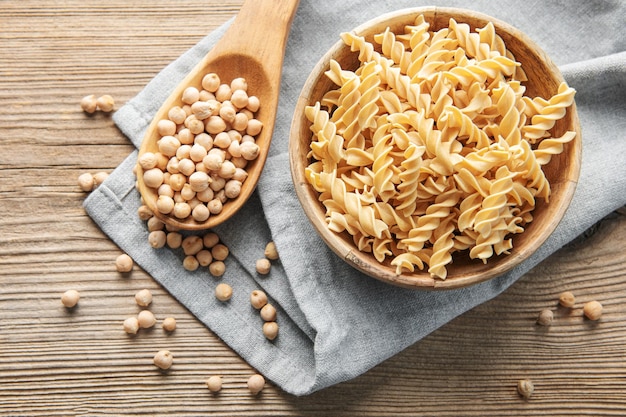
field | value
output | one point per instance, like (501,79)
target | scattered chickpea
(567,299)
(154,224)
(70,298)
(192,244)
(545,318)
(99,178)
(256,383)
(174,240)
(210,239)
(270,330)
(143,297)
(144,212)
(263,266)
(131,325)
(190,263)
(163,359)
(204,257)
(214,383)
(124,263)
(219,252)
(105,103)
(592,310)
(169,324)
(271,252)
(146,319)
(217,268)
(258,299)
(157,239)
(89,103)
(86,182)
(268,312)
(223,292)
(525,388)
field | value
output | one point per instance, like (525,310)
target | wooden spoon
(253,48)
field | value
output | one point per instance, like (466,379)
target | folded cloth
(336,323)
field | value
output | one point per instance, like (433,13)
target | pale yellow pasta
(431,147)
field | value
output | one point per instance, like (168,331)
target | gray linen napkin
(336,323)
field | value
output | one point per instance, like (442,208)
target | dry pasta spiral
(431,147)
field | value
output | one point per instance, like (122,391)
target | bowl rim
(364,262)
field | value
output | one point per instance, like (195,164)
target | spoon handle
(260,29)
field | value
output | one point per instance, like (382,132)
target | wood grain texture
(58,362)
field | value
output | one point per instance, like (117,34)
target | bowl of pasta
(435,148)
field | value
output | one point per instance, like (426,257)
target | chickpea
(168,145)
(258,299)
(165,204)
(213,161)
(592,310)
(157,239)
(525,388)
(215,125)
(567,299)
(163,359)
(204,257)
(124,263)
(143,297)
(223,92)
(174,240)
(89,103)
(199,181)
(254,127)
(217,268)
(202,110)
(217,182)
(105,103)
(249,150)
(192,244)
(214,383)
(223,292)
(190,263)
(177,115)
(232,189)
(172,165)
(240,122)
(131,325)
(268,312)
(86,182)
(99,178)
(270,330)
(240,174)
(239,84)
(187,193)
(219,252)
(205,140)
(169,324)
(181,210)
(253,104)
(183,152)
(211,82)
(228,113)
(256,383)
(210,239)
(215,206)
(194,124)
(146,319)
(190,95)
(270,251)
(206,95)
(153,178)
(233,148)
(155,224)
(197,152)
(200,213)
(177,181)
(147,161)
(70,298)
(263,266)
(185,136)
(545,318)
(144,212)
(205,196)
(239,98)
(165,189)
(166,127)
(222,140)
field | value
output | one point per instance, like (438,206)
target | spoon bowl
(252,48)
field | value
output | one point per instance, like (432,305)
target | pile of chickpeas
(204,148)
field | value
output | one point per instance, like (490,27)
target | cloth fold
(336,323)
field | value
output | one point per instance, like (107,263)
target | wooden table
(55,361)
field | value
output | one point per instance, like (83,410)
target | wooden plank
(59,362)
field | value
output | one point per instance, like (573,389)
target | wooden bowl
(562,171)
